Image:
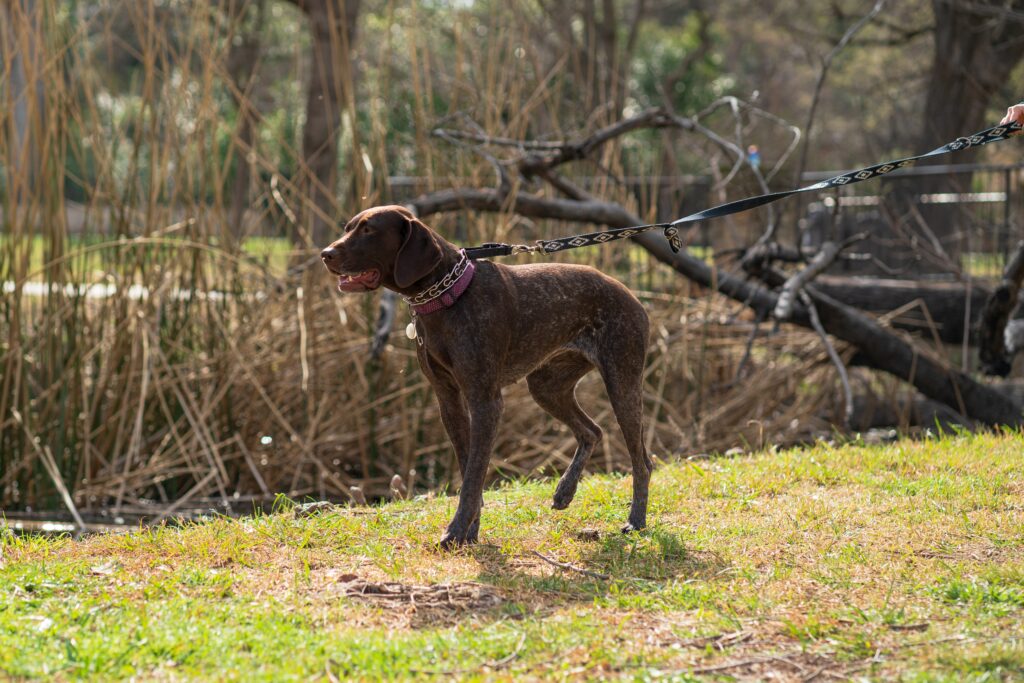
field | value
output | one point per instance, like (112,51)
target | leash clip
(672,235)
(524,249)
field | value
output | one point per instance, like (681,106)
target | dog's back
(533,311)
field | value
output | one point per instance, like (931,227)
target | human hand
(1014,114)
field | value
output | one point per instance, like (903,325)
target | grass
(272,253)
(896,561)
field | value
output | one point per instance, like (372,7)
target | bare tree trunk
(332,24)
(242,59)
(978,43)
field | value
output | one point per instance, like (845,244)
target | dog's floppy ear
(418,255)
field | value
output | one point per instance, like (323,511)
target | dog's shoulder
(568,279)
(549,269)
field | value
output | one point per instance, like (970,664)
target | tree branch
(880,347)
(1000,305)
(826,63)
(844,378)
(822,260)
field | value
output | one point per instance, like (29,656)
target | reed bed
(163,368)
(285,399)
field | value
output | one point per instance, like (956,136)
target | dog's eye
(363,227)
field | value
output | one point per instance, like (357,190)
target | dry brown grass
(883,561)
(228,382)
(295,406)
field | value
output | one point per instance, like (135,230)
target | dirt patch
(452,596)
(423,604)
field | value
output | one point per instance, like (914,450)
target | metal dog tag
(410,330)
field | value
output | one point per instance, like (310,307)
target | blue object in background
(754,156)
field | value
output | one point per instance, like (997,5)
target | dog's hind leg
(553,386)
(622,366)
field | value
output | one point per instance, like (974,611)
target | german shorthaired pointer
(481,326)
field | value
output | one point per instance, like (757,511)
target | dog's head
(385,245)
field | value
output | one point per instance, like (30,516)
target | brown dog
(483,325)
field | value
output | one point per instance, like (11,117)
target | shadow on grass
(651,569)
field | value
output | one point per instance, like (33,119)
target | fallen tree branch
(761,254)
(385,319)
(547,155)
(572,567)
(540,157)
(871,411)
(992,351)
(944,301)
(844,378)
(879,347)
(935,378)
(822,260)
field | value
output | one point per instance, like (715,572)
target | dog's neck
(450,256)
(445,284)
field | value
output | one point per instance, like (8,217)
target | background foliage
(166,335)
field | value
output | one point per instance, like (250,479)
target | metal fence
(928,221)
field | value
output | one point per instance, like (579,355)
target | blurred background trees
(169,168)
(318,84)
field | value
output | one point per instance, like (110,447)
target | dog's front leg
(455,418)
(485,413)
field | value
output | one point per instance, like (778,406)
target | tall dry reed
(149,364)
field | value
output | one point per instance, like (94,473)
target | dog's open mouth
(364,281)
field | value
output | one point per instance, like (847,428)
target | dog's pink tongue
(358,283)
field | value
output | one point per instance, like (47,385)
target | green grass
(983,264)
(898,561)
(85,254)
(273,253)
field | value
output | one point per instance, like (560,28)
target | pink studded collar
(446,291)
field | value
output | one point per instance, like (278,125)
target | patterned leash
(994,134)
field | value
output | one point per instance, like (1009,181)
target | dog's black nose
(328,254)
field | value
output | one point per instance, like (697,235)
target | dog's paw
(452,540)
(564,493)
(630,527)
